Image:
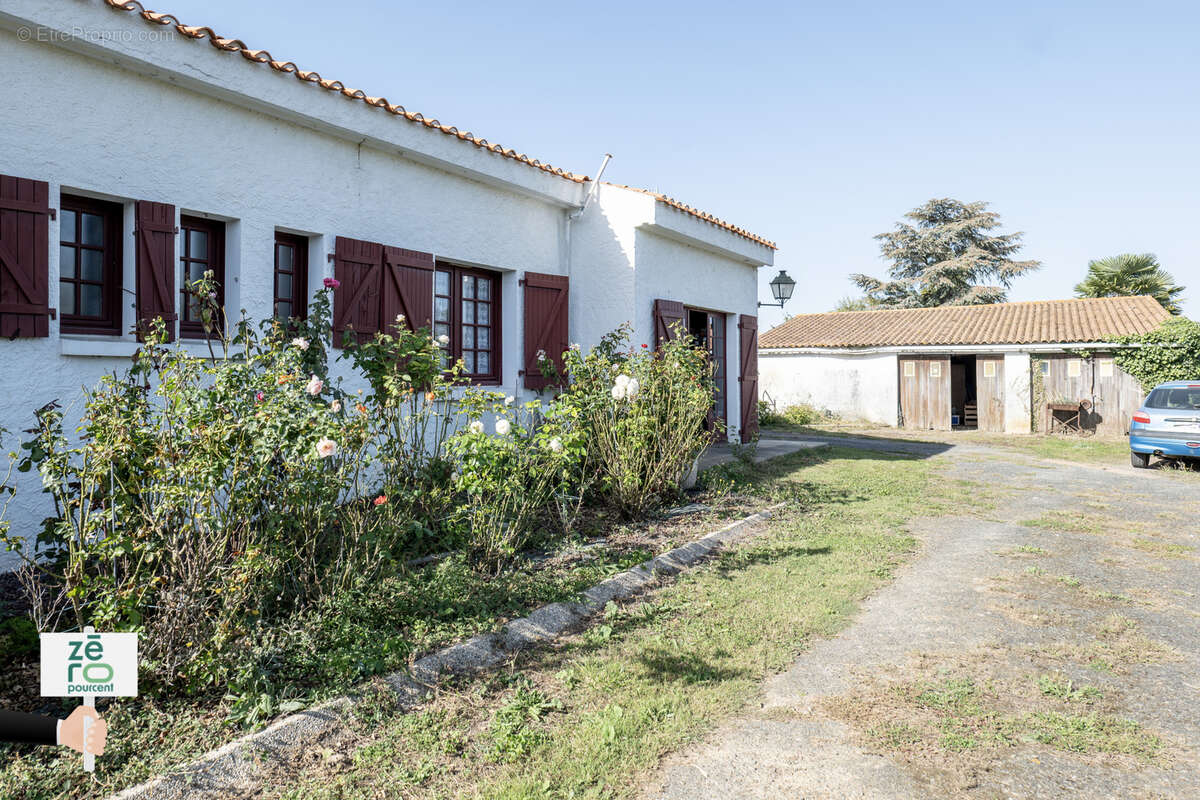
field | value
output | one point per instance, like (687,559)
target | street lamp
(781,289)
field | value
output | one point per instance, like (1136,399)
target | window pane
(66,298)
(441,283)
(91,265)
(93,229)
(197,244)
(193,309)
(468,341)
(196,271)
(484,291)
(484,338)
(441,309)
(283,310)
(441,329)
(484,314)
(91,300)
(283,252)
(66,227)
(468,314)
(66,262)
(469,361)
(483,361)
(284,289)
(468,286)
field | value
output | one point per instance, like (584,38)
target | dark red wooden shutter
(407,288)
(24,258)
(668,321)
(358,267)
(155,234)
(546,303)
(748,374)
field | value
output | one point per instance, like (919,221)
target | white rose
(326,447)
(618,392)
(556,445)
(632,388)
(476,426)
(335,406)
(399,319)
(623,380)
(443,339)
(508,401)
(315,385)
(300,342)
(502,427)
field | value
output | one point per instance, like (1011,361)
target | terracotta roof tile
(264,57)
(695,212)
(1037,322)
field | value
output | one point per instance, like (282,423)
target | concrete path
(1099,587)
(765,449)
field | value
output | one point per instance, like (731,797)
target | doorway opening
(964,393)
(707,329)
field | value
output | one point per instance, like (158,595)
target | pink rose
(332,283)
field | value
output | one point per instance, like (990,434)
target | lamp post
(782,287)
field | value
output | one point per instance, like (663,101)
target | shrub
(801,414)
(642,415)
(202,495)
(1169,353)
(511,467)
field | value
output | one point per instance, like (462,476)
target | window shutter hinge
(54,213)
(53,311)
(329,257)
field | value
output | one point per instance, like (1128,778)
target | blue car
(1167,425)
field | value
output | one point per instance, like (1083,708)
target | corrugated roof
(695,212)
(1037,322)
(308,76)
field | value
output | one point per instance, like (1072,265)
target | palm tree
(1131,274)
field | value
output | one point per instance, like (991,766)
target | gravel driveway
(1044,643)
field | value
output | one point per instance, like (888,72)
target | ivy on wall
(1169,353)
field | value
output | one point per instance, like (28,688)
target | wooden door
(925,392)
(989,391)
(748,375)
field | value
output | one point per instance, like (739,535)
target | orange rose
(282,379)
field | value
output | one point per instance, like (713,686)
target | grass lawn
(584,720)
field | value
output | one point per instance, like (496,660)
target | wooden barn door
(989,390)
(925,392)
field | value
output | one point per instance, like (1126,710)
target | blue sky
(814,124)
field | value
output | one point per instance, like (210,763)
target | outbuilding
(140,152)
(1006,367)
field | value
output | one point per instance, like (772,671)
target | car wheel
(1139,460)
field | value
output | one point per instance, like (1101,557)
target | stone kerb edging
(235,764)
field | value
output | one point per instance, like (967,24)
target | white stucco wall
(159,119)
(853,386)
(1017,388)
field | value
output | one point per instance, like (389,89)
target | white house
(138,152)
(992,367)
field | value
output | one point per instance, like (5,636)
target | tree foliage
(1131,274)
(1169,353)
(849,303)
(946,257)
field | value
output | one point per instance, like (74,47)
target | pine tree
(946,257)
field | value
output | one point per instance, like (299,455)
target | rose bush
(203,501)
